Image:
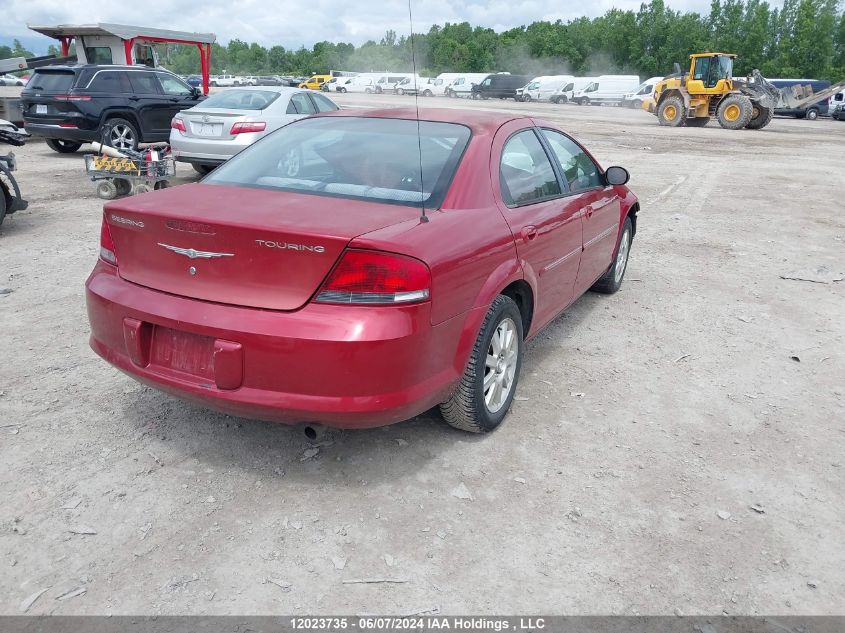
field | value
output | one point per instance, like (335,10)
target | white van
(645,91)
(565,93)
(365,82)
(542,88)
(411,85)
(462,85)
(387,81)
(607,89)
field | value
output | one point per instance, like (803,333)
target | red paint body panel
(243,335)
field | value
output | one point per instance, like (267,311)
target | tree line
(803,38)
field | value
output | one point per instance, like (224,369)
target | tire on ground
(202,169)
(62,146)
(760,118)
(735,111)
(611,281)
(671,111)
(466,409)
(106,189)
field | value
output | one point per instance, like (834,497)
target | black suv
(501,85)
(71,105)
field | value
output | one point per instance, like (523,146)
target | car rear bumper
(345,366)
(49,130)
(209,151)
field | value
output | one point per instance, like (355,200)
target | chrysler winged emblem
(194,254)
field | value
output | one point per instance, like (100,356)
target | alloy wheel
(122,137)
(500,365)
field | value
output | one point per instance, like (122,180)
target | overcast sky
(293,24)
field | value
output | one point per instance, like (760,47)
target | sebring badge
(194,254)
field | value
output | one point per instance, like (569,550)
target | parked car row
(123,106)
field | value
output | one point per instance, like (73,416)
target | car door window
(300,104)
(579,171)
(323,103)
(525,171)
(111,82)
(173,86)
(144,83)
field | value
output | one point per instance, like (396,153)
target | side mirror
(617,175)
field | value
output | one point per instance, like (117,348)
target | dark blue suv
(72,105)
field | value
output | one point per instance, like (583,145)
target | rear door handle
(529,233)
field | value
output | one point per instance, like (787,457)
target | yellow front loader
(709,90)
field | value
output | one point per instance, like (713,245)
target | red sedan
(356,269)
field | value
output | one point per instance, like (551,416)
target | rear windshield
(51,81)
(234,99)
(353,157)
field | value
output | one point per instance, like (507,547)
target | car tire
(369,91)
(63,147)
(202,169)
(467,409)
(611,281)
(4,203)
(122,134)
(106,190)
(526,98)
(812,114)
(341,90)
(428,93)
(213,84)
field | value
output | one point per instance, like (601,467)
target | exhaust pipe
(314,432)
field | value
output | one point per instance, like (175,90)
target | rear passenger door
(149,104)
(545,224)
(179,94)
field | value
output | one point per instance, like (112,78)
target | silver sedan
(228,121)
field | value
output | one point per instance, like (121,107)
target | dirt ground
(674,448)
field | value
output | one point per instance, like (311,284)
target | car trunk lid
(237,245)
(215,123)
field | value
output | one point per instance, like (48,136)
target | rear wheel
(760,117)
(487,388)
(2,203)
(202,169)
(671,111)
(813,114)
(427,93)
(735,112)
(584,101)
(122,134)
(400,91)
(611,281)
(62,146)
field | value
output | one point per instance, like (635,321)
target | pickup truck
(223,80)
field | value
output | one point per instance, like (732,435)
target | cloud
(294,24)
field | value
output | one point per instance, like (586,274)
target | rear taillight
(248,126)
(178,124)
(107,253)
(71,125)
(371,277)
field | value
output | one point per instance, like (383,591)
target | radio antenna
(423,216)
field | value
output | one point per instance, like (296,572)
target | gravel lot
(674,448)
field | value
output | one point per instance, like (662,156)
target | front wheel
(487,388)
(63,147)
(735,112)
(428,93)
(400,91)
(812,114)
(611,281)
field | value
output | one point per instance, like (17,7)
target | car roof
(280,89)
(479,121)
(80,67)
